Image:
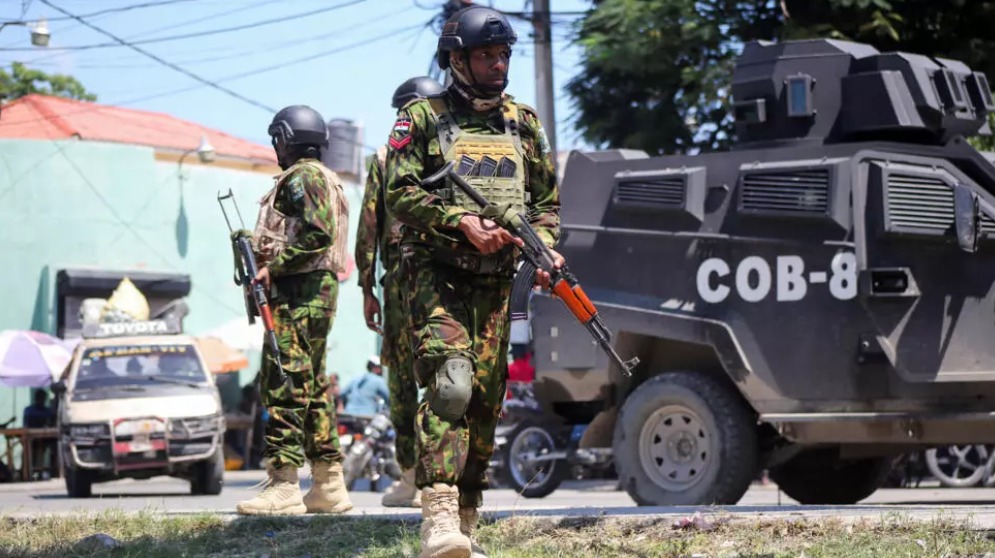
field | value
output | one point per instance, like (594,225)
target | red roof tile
(44,117)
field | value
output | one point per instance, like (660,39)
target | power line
(249,52)
(116,10)
(257,71)
(159,29)
(160,60)
(189,35)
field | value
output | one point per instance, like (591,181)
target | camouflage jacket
(415,154)
(372,234)
(305,196)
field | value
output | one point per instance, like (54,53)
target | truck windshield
(138,364)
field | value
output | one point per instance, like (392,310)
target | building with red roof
(53,118)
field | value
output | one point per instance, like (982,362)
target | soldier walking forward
(459,266)
(300,244)
(379,231)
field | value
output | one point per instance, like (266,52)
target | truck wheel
(209,476)
(79,483)
(821,477)
(684,438)
(532,480)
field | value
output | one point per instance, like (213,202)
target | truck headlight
(194,427)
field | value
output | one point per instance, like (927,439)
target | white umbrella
(32,358)
(238,334)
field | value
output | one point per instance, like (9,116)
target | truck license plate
(140,444)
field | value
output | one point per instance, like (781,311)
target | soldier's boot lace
(403,493)
(467,525)
(440,526)
(282,495)
(328,493)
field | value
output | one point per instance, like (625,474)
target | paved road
(584,498)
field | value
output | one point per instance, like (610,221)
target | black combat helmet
(298,125)
(472,27)
(415,88)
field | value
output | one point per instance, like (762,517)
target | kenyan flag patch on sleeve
(401,134)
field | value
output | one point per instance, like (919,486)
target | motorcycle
(535,453)
(368,445)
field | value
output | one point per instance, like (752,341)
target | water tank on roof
(345,147)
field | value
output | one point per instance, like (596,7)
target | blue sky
(355,83)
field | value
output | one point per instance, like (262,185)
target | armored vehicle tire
(684,438)
(819,477)
(79,483)
(531,481)
(209,475)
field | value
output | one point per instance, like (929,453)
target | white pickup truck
(138,401)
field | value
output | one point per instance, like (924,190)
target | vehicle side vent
(987,225)
(680,191)
(796,191)
(919,202)
(662,192)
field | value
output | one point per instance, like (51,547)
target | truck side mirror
(967,218)
(58,388)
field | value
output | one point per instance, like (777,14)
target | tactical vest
(494,164)
(275,231)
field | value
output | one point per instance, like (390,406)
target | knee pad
(453,387)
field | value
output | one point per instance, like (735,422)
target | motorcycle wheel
(355,465)
(531,480)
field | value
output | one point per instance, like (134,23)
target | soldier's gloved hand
(241,233)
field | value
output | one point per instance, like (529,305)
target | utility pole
(544,70)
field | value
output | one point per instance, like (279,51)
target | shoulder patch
(296,188)
(400,135)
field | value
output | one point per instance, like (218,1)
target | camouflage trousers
(457,313)
(395,354)
(302,420)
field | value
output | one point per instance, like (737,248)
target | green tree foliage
(21,81)
(655,73)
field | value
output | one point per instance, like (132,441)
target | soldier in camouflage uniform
(378,231)
(300,244)
(459,266)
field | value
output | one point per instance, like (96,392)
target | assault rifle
(254,293)
(537,256)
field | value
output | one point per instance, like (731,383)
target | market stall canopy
(220,357)
(32,358)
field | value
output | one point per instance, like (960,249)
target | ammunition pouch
(452,388)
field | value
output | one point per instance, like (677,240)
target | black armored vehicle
(814,302)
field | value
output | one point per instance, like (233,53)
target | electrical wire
(256,71)
(115,10)
(171,26)
(210,32)
(283,45)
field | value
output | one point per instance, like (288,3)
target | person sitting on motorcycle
(361,394)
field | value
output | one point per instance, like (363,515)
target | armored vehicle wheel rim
(675,448)
(532,441)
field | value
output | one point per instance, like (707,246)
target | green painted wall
(74,204)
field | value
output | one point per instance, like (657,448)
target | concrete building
(89,186)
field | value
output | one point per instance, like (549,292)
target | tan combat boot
(282,495)
(403,493)
(440,528)
(467,525)
(328,493)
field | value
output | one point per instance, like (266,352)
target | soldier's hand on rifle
(371,309)
(486,235)
(543,278)
(263,277)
